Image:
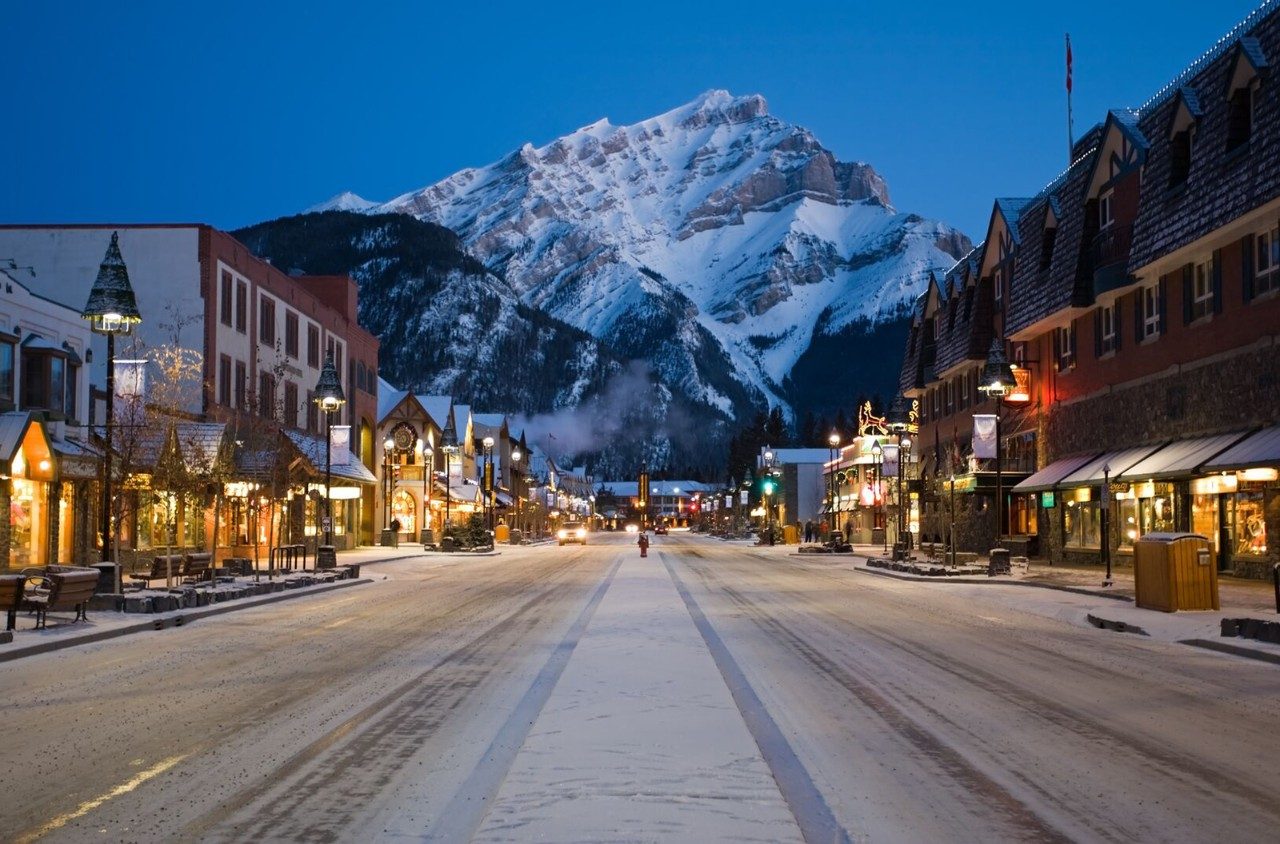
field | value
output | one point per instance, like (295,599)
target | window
(224,299)
(1240,117)
(6,372)
(44,382)
(997,278)
(242,384)
(267,321)
(313,345)
(1267,259)
(1081,523)
(1179,157)
(1107,329)
(313,412)
(266,395)
(1105,217)
(291,334)
(950,396)
(1064,342)
(224,381)
(290,404)
(1151,307)
(73,377)
(242,307)
(1202,290)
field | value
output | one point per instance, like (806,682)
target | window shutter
(1164,303)
(1217,281)
(1139,308)
(1115,325)
(1057,348)
(1247,247)
(1073,343)
(1188,293)
(1097,332)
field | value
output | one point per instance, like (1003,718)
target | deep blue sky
(232,113)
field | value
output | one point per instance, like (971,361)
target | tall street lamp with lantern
(899,423)
(877,497)
(112,309)
(516,455)
(997,381)
(488,482)
(768,488)
(388,449)
(833,446)
(330,398)
(428,455)
(449,445)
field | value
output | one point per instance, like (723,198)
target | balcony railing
(1110,258)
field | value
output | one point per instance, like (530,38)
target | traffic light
(767,487)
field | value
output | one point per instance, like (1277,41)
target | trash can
(998,562)
(1175,571)
(326,557)
(790,535)
(501,533)
(106,578)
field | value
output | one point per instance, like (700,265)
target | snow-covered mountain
(715,241)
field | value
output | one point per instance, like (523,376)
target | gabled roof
(1011,209)
(437,407)
(345,466)
(200,443)
(389,398)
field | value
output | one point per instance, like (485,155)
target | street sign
(742,496)
(1119,486)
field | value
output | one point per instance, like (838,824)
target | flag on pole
(1068,63)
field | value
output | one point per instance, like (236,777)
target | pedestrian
(808,530)
(643,542)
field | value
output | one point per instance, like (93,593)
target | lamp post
(516,454)
(833,443)
(449,445)
(388,447)
(488,482)
(877,499)
(111,310)
(330,398)
(997,380)
(768,494)
(952,543)
(899,421)
(428,468)
(1106,518)
(904,521)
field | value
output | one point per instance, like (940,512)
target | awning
(459,491)
(76,460)
(345,466)
(1049,476)
(1180,457)
(1259,449)
(504,499)
(1117,462)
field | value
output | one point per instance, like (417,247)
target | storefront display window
(1082,524)
(27,521)
(1022,515)
(1204,518)
(1127,513)
(404,510)
(1251,526)
(1155,513)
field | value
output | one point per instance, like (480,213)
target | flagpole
(1071,143)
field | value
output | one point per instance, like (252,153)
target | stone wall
(6,529)
(975,521)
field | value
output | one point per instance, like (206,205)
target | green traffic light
(768,487)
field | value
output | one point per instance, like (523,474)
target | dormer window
(1240,118)
(1242,89)
(1180,157)
(1105,215)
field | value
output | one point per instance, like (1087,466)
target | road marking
(814,817)
(89,805)
(460,820)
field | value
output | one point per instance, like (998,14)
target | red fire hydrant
(643,542)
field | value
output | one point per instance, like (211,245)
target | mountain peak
(345,201)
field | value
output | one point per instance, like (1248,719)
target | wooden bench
(196,566)
(60,588)
(12,588)
(162,568)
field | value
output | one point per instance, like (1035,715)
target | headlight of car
(561,534)
(582,533)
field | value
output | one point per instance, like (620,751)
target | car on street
(632,527)
(572,532)
(660,530)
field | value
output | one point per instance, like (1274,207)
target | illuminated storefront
(27,473)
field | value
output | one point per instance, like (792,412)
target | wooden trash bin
(1175,571)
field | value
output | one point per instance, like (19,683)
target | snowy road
(709,692)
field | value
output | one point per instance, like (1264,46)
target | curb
(156,621)
(1235,650)
(1116,626)
(1078,590)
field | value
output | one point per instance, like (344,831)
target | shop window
(1127,514)
(1082,524)
(1204,519)
(1267,258)
(405,510)
(1251,524)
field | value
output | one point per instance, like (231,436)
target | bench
(162,568)
(196,566)
(12,587)
(60,588)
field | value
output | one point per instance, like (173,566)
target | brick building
(1138,296)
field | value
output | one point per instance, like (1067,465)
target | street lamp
(952,543)
(428,466)
(997,381)
(904,452)
(488,481)
(877,459)
(899,422)
(833,444)
(449,445)
(388,447)
(111,310)
(330,398)
(1106,519)
(767,489)
(516,454)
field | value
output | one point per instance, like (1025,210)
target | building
(257,339)
(1137,296)
(48,468)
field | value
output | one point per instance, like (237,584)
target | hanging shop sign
(1048,499)
(1021,392)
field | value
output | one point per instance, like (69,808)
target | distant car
(632,527)
(572,532)
(660,530)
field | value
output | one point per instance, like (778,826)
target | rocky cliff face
(715,241)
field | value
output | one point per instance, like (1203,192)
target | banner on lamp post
(889,456)
(984,436)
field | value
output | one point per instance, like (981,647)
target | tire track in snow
(814,817)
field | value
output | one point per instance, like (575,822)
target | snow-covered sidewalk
(640,738)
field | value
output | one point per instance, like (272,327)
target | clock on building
(404,438)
